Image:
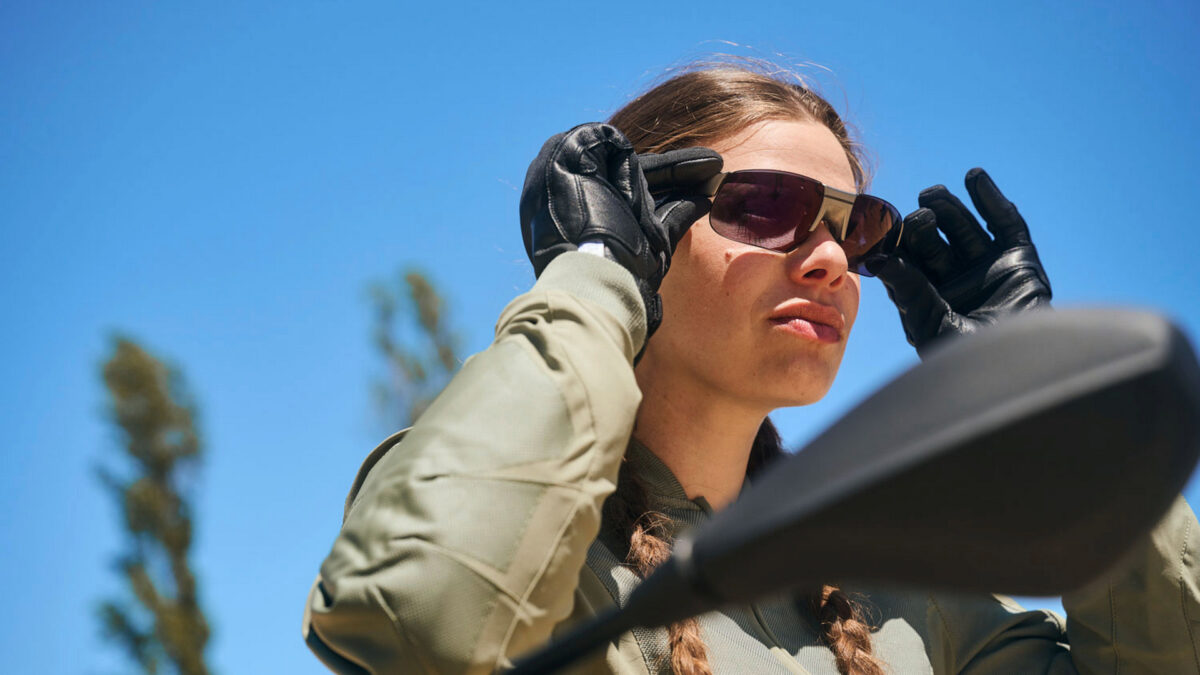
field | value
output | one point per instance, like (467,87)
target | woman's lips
(820,332)
(811,320)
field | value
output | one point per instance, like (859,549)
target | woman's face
(754,327)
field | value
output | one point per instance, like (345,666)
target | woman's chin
(798,382)
(787,395)
(798,401)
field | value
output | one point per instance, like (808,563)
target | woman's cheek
(850,309)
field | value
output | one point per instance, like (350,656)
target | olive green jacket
(477,535)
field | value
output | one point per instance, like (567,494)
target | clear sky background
(222,182)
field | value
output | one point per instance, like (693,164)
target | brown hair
(705,104)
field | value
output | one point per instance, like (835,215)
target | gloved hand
(588,185)
(952,289)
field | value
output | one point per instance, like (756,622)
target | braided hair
(843,621)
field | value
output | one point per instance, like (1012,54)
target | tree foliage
(159,622)
(412,334)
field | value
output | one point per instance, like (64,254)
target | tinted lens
(873,230)
(765,208)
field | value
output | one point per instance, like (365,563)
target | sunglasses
(778,210)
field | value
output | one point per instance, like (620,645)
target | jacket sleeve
(1140,619)
(1146,618)
(464,542)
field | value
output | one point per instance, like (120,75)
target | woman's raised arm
(465,540)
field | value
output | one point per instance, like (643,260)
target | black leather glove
(588,185)
(953,289)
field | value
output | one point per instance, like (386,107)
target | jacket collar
(663,487)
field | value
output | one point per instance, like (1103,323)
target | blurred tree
(411,332)
(159,624)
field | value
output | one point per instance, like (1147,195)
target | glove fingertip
(921,217)
(690,154)
(920,226)
(983,191)
(1002,216)
(680,168)
(981,187)
(932,193)
(678,215)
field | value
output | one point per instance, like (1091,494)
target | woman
(489,525)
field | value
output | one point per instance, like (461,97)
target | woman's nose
(819,261)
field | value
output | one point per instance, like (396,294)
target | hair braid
(650,538)
(846,631)
(843,622)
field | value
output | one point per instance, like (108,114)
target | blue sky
(223,182)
